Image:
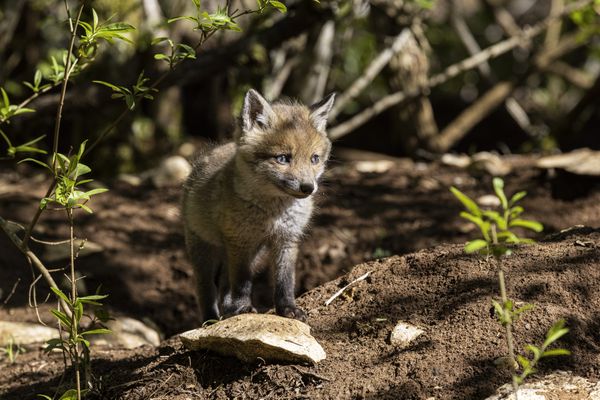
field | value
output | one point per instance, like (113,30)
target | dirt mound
(442,290)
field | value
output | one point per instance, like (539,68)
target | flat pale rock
(560,385)
(25,333)
(404,334)
(579,162)
(253,336)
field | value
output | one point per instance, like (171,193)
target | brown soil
(362,216)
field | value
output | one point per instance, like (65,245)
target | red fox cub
(246,204)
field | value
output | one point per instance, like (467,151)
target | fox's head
(285,143)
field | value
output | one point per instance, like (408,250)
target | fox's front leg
(284,267)
(238,285)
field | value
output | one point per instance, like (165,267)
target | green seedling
(496,241)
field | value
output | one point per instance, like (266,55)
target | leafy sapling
(497,238)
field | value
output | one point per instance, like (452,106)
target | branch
(314,87)
(32,257)
(454,70)
(471,116)
(370,73)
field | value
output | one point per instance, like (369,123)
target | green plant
(12,350)
(497,238)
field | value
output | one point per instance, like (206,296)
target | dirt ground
(362,216)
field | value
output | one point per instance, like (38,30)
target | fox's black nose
(307,188)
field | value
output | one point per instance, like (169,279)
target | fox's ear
(319,112)
(256,112)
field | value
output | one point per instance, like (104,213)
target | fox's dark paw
(292,312)
(240,310)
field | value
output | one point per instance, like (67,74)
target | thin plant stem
(508,324)
(74,321)
(63,92)
(508,330)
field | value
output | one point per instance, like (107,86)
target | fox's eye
(283,158)
(314,159)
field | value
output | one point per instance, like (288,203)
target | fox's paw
(292,312)
(240,310)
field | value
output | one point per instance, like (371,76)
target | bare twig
(30,255)
(370,73)
(504,18)
(314,87)
(575,76)
(342,290)
(471,116)
(12,292)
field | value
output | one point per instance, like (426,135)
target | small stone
(456,160)
(25,333)
(490,163)
(404,334)
(172,171)
(254,336)
(378,167)
(489,201)
(130,179)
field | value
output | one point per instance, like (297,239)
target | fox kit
(246,204)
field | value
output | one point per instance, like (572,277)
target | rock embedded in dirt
(250,337)
(578,162)
(404,334)
(560,385)
(489,163)
(24,333)
(127,333)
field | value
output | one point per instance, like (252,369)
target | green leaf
(469,204)
(70,394)
(99,331)
(43,396)
(37,78)
(527,224)
(59,293)
(110,85)
(523,362)
(556,352)
(95,19)
(5,98)
(62,317)
(82,169)
(78,311)
(93,297)
(475,245)
(278,5)
(85,208)
(94,192)
(555,332)
(537,353)
(517,197)
(183,17)
(484,226)
(498,184)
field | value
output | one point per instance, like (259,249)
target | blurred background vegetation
(539,94)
